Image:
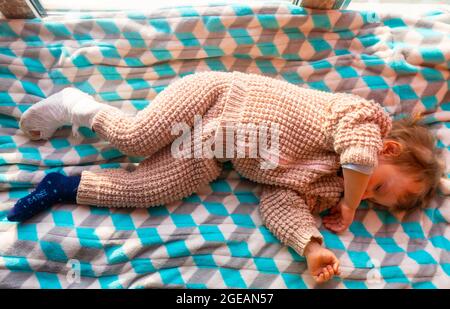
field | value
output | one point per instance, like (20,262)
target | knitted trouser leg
(150,129)
(158,180)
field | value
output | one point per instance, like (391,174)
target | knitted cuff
(101,120)
(364,155)
(298,241)
(235,99)
(87,193)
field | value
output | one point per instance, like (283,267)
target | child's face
(387,184)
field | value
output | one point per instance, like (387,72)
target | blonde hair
(419,157)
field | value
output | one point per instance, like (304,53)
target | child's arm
(355,183)
(287,216)
(357,128)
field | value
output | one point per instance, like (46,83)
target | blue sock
(54,188)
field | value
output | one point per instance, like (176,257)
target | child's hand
(340,217)
(322,263)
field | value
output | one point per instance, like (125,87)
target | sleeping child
(329,151)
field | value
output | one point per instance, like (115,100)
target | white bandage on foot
(82,113)
(69,106)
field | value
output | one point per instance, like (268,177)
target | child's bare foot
(322,263)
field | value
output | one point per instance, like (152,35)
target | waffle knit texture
(318,132)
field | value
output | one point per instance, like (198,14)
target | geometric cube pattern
(215,238)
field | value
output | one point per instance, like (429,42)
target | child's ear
(391,148)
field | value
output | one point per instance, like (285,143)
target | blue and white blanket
(213,239)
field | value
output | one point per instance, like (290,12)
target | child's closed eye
(378,188)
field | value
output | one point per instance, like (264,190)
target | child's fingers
(331,227)
(342,228)
(339,227)
(334,220)
(326,274)
(331,220)
(328,219)
(330,270)
(333,215)
(334,210)
(336,269)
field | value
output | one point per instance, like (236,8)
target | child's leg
(158,180)
(150,129)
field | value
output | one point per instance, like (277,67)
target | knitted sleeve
(357,128)
(288,217)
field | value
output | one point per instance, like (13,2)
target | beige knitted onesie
(319,131)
